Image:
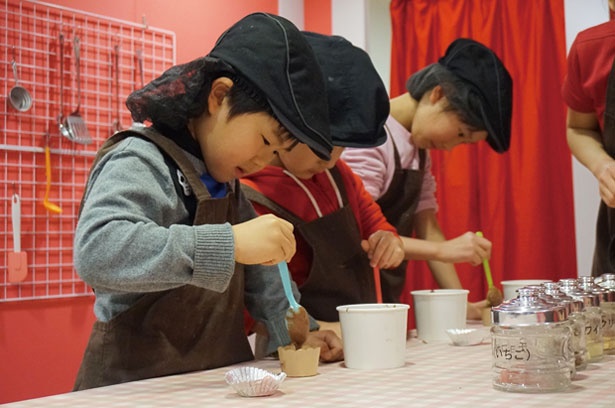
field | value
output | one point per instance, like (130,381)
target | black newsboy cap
(477,65)
(274,56)
(358,100)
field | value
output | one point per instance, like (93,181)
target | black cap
(274,56)
(487,76)
(358,99)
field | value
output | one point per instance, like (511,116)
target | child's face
(304,164)
(233,148)
(434,127)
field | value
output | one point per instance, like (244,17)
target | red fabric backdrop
(523,199)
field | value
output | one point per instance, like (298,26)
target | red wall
(42,342)
(317,15)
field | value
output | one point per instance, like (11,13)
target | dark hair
(464,102)
(181,92)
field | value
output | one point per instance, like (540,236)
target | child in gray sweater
(172,249)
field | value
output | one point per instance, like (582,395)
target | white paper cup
(374,335)
(438,310)
(510,286)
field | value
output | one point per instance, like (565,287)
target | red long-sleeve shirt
(277,186)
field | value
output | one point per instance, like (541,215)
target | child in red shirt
(340,231)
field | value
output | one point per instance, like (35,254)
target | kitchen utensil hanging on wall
(139,55)
(17,264)
(117,123)
(51,207)
(74,123)
(19,97)
(138,74)
(63,129)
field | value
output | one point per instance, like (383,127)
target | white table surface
(435,375)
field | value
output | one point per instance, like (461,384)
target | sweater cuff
(278,334)
(214,256)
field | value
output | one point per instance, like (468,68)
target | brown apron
(340,273)
(604,253)
(178,330)
(398,205)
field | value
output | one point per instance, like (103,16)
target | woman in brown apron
(589,92)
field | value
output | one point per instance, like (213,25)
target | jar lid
(607,281)
(605,277)
(572,305)
(527,309)
(568,283)
(588,285)
(588,299)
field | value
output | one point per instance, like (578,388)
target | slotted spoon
(74,123)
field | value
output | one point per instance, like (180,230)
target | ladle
(19,96)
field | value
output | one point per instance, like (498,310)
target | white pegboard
(30,35)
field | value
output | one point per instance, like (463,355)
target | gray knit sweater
(130,240)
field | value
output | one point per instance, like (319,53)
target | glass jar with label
(607,281)
(577,319)
(540,291)
(593,317)
(530,345)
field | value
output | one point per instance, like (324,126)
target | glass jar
(530,344)
(607,311)
(607,281)
(593,319)
(577,320)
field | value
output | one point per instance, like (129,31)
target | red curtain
(522,200)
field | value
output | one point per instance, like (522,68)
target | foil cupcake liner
(253,381)
(467,337)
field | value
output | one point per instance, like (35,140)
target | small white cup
(374,335)
(438,310)
(510,286)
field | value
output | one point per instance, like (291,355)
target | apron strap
(259,198)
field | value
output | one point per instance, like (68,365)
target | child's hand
(384,249)
(475,310)
(330,345)
(468,247)
(265,240)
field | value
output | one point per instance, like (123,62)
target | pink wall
(42,342)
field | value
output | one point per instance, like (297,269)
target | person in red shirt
(589,93)
(340,231)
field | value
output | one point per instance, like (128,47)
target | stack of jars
(542,337)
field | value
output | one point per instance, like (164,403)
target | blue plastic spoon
(285,276)
(297,319)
